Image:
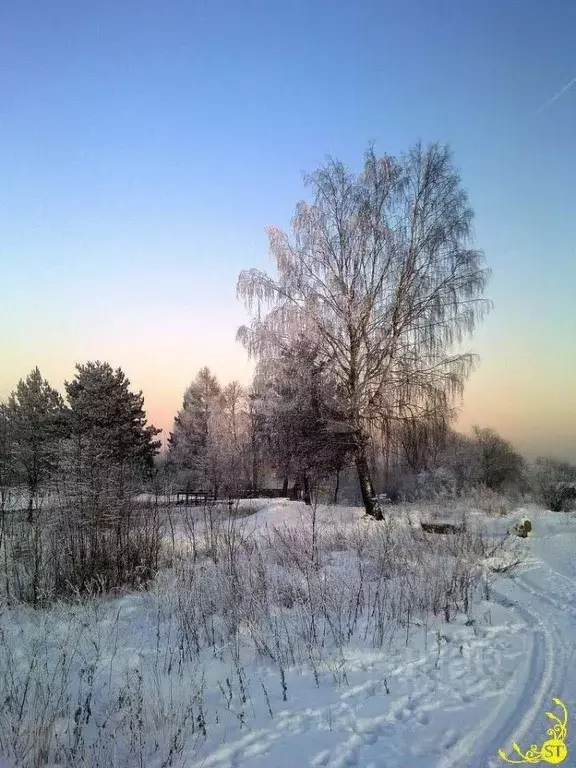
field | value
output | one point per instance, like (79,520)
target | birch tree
(379,271)
(421,441)
(236,436)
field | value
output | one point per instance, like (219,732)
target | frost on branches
(379,274)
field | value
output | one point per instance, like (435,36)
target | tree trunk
(307,490)
(254,470)
(31,494)
(337,487)
(369,499)
(285,487)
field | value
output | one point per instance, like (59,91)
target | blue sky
(144,146)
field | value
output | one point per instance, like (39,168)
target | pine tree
(35,414)
(302,407)
(193,443)
(8,466)
(107,421)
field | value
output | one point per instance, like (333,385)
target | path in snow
(546,672)
(544,598)
(453,705)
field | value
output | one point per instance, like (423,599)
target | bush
(435,485)
(483,460)
(487,501)
(501,467)
(101,683)
(554,484)
(73,548)
(522,529)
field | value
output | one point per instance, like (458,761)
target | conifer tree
(107,421)
(35,419)
(9,474)
(193,444)
(302,407)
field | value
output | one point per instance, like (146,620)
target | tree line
(99,430)
(356,336)
(360,364)
(289,425)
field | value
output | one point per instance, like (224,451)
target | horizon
(144,153)
(165,418)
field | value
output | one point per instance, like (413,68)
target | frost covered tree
(301,406)
(35,421)
(218,442)
(421,440)
(259,438)
(500,466)
(236,434)
(554,482)
(9,474)
(108,425)
(380,273)
(194,444)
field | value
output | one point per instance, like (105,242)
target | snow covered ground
(293,641)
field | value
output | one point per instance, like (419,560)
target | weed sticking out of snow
(285,622)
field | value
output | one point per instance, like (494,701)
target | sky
(145,146)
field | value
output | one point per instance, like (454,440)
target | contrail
(557,96)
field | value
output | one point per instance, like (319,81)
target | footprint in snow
(411,704)
(449,740)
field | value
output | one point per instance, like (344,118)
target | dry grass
(101,682)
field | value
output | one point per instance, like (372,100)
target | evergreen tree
(193,443)
(303,407)
(107,421)
(9,475)
(35,419)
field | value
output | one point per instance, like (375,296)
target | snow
(298,515)
(428,693)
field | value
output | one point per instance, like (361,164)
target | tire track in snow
(565,602)
(523,700)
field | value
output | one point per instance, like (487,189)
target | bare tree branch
(380,274)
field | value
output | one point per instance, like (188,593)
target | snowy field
(283,639)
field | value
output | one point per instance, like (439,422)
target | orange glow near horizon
(532,405)
(518,403)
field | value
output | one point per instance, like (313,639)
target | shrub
(501,467)
(436,484)
(554,484)
(71,549)
(490,502)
